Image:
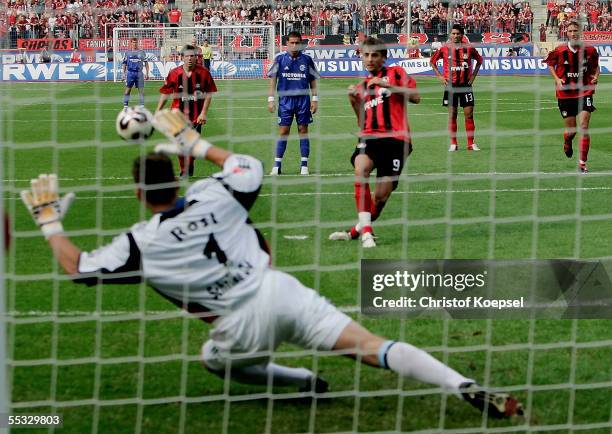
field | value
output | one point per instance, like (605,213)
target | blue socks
(304,151)
(126,100)
(281,147)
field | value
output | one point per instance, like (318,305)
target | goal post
(239,52)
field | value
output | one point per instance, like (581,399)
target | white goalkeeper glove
(45,205)
(185,140)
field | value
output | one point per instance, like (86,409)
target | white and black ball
(134,123)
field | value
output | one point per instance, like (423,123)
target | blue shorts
(134,79)
(290,106)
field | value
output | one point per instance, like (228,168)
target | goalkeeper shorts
(283,310)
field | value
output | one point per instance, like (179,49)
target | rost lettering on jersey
(181,232)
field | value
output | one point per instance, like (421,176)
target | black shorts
(387,154)
(570,107)
(456,98)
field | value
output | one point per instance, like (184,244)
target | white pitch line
(89,313)
(414,192)
(295,237)
(502,190)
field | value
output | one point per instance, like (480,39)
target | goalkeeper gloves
(185,140)
(45,205)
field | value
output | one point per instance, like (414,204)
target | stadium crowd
(428,16)
(595,14)
(77,19)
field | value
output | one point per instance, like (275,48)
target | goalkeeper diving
(202,253)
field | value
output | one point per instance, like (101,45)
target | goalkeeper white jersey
(202,251)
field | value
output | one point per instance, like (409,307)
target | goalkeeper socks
(281,375)
(452,130)
(469,130)
(304,150)
(585,144)
(412,362)
(126,99)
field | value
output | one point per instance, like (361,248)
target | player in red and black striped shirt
(458,77)
(380,105)
(191,86)
(575,69)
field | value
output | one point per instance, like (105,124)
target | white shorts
(283,310)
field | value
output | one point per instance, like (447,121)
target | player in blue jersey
(133,62)
(294,76)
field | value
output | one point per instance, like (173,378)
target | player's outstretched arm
(48,210)
(185,140)
(243,173)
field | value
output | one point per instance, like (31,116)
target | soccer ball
(134,123)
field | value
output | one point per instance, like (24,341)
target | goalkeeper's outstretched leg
(411,362)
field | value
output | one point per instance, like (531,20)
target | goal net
(117,358)
(238,52)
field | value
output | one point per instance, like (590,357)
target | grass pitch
(121,359)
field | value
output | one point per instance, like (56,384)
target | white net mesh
(122,359)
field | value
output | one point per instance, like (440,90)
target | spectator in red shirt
(593,18)
(549,9)
(75,57)
(174,17)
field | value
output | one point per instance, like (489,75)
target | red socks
(363,198)
(469,130)
(585,144)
